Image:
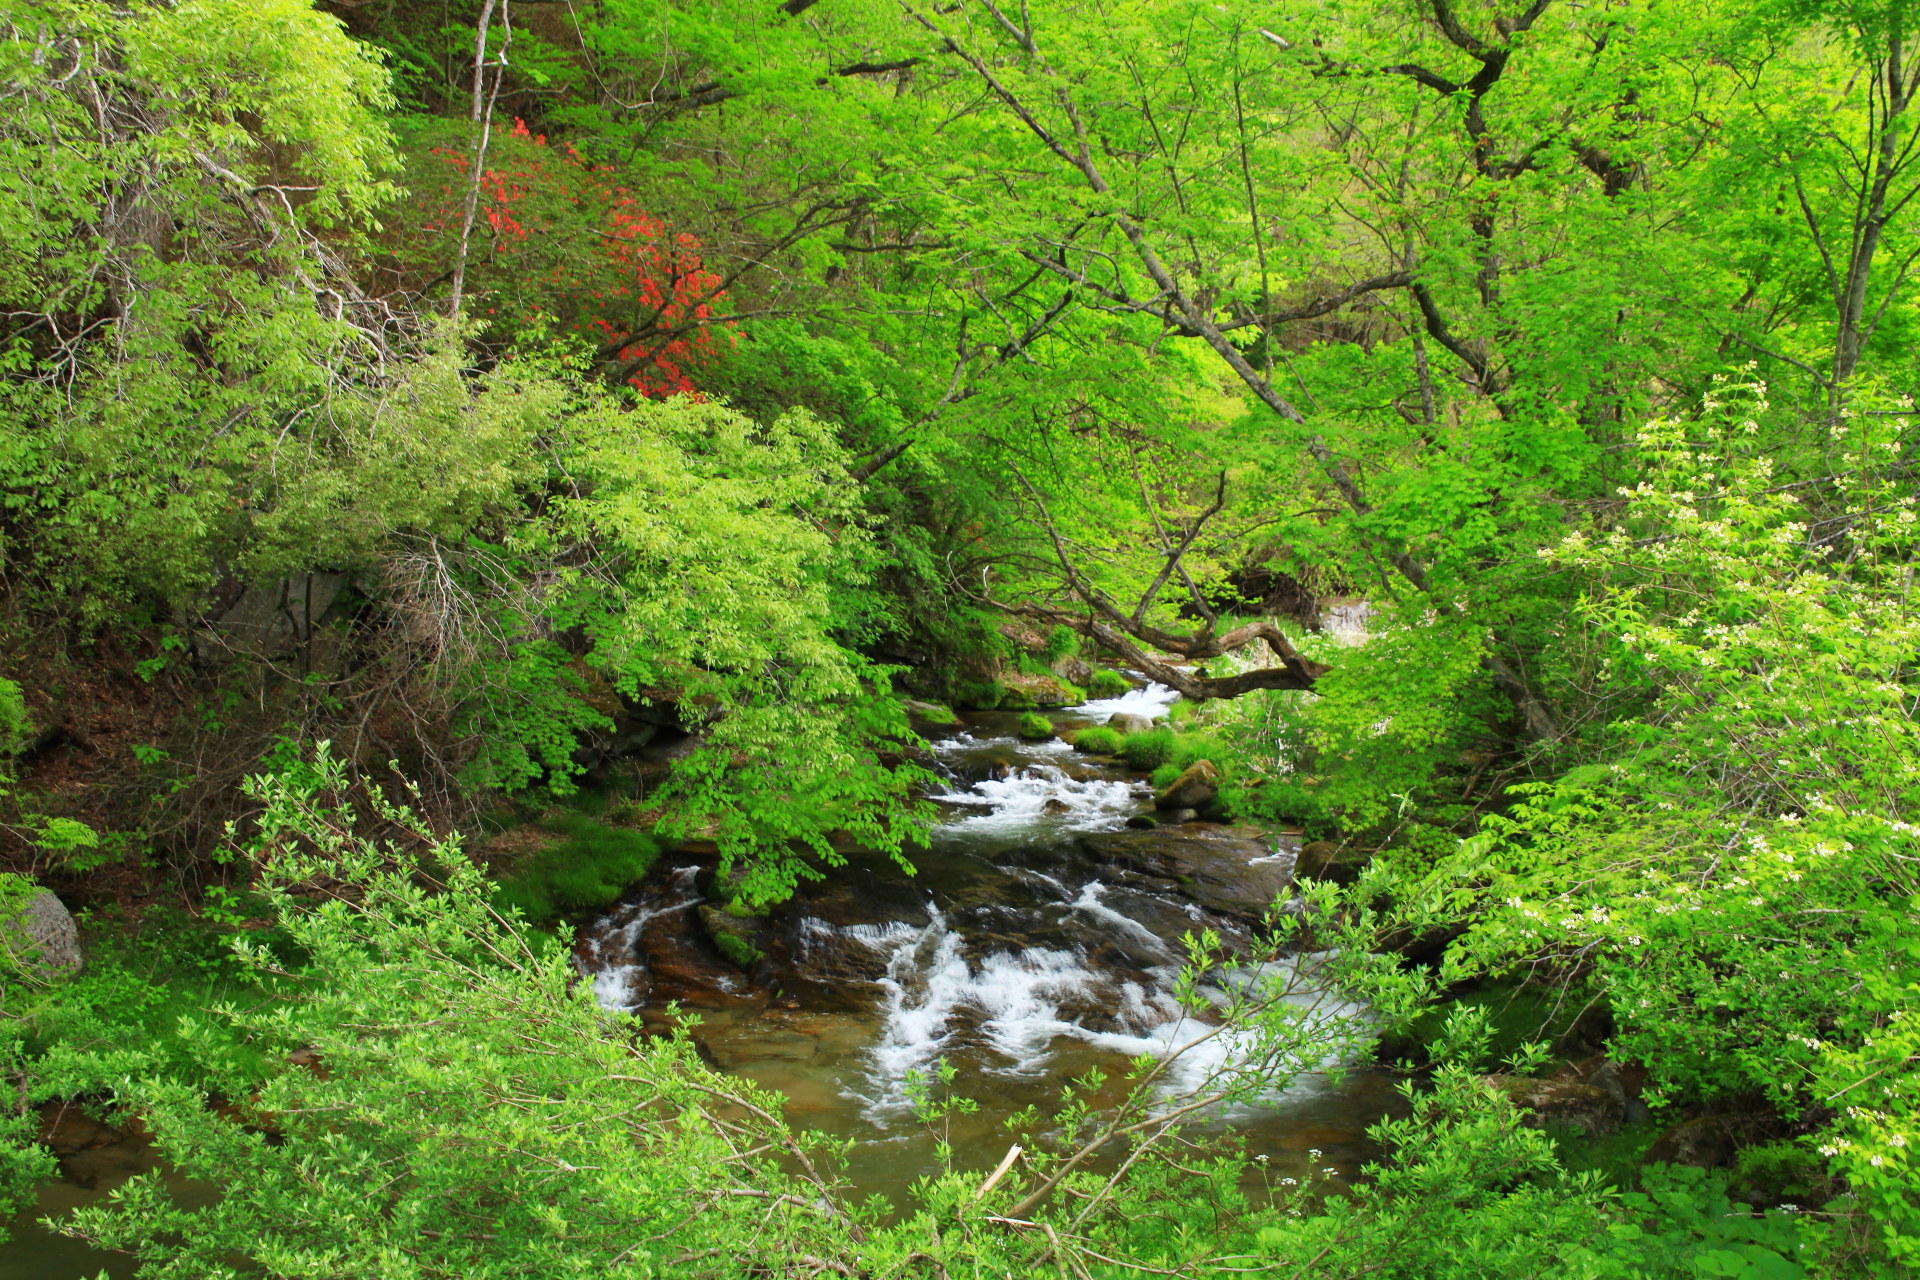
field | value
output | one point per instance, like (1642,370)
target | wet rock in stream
(1195,788)
(1232,870)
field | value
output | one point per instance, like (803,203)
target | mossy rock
(735,936)
(978,695)
(1026,690)
(1108,684)
(584,867)
(1338,861)
(1517,1016)
(1035,727)
(932,713)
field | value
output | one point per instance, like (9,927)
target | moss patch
(586,868)
(1035,727)
(738,950)
(1108,684)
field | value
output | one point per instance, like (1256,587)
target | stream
(1020,952)
(1036,939)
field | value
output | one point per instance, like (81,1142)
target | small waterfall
(1011,1008)
(1150,700)
(1041,796)
(610,952)
(1088,903)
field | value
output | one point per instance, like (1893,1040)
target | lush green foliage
(1011,341)
(516,1127)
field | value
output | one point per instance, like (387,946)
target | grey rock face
(40,934)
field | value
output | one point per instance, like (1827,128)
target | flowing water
(1011,953)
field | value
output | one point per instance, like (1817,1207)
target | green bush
(1035,727)
(1148,750)
(1164,776)
(16,726)
(1108,684)
(1099,741)
(594,865)
(1061,642)
(1516,1015)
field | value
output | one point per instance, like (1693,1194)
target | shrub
(1164,776)
(1035,727)
(1148,750)
(1108,684)
(1061,643)
(1099,740)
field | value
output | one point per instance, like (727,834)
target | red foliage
(637,274)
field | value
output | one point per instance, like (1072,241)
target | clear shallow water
(32,1251)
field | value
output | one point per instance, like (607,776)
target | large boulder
(38,933)
(1128,722)
(1590,1108)
(1024,690)
(1232,870)
(1195,788)
(1325,860)
(1074,670)
(1705,1142)
(279,616)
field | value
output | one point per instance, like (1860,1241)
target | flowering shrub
(1737,869)
(558,235)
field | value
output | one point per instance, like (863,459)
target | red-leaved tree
(558,236)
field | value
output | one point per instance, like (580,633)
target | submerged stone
(1591,1108)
